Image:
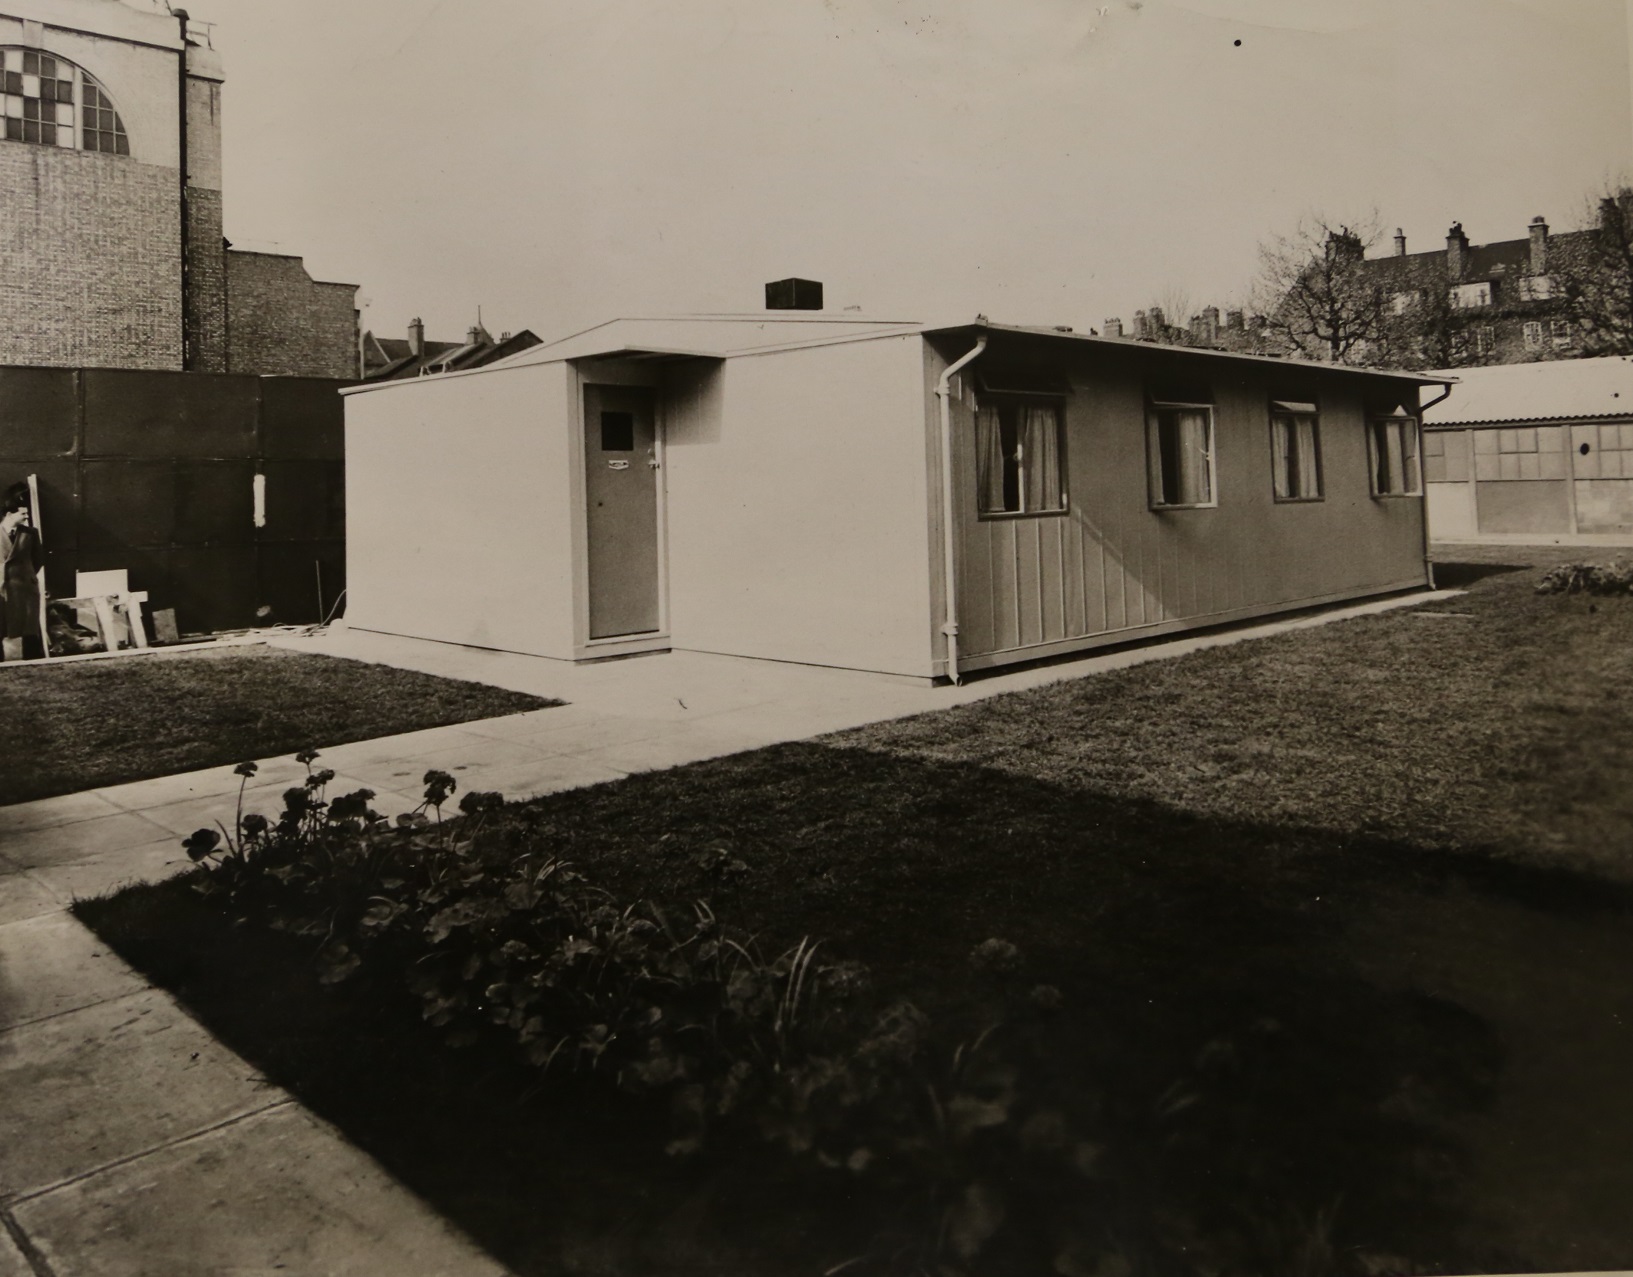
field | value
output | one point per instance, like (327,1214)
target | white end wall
(459,509)
(798,504)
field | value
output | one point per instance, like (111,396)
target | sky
(561,162)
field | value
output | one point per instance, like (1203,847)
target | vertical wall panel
(1116,565)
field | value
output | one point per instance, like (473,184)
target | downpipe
(1428,562)
(949,526)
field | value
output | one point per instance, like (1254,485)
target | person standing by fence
(19,578)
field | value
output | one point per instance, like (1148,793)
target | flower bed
(957,1146)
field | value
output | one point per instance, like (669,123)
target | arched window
(50,101)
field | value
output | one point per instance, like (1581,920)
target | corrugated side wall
(1113,568)
(459,510)
(154,471)
(797,507)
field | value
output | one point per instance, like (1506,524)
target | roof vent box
(793,294)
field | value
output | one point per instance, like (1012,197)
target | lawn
(86,724)
(1342,919)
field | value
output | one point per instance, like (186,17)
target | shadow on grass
(1457,576)
(1280,1088)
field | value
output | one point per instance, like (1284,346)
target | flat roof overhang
(1129,344)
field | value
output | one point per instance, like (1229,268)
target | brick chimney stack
(1400,242)
(1457,251)
(1233,321)
(1539,246)
(1113,327)
(1210,325)
(416,337)
(1142,325)
(1612,211)
(1158,322)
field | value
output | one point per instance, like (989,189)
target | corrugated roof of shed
(1553,390)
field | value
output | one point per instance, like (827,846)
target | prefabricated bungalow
(911,499)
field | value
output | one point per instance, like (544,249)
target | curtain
(1195,485)
(1280,461)
(1409,456)
(989,460)
(1391,475)
(1040,457)
(1307,466)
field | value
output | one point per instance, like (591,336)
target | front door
(621,498)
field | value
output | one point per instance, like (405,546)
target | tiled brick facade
(282,322)
(91,243)
(90,260)
(207,283)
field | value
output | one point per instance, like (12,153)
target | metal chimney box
(793,294)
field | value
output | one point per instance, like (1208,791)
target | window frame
(1405,420)
(1153,455)
(1056,402)
(1283,410)
(86,100)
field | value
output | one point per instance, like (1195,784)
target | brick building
(1501,304)
(111,245)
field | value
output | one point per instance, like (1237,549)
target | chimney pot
(1400,242)
(416,336)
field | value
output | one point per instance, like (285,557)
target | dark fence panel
(170,414)
(301,419)
(39,412)
(155,472)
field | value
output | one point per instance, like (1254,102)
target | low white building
(1533,451)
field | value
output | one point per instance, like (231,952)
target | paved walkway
(132,1143)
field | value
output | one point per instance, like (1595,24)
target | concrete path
(131,1143)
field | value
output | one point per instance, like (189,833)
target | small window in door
(617,432)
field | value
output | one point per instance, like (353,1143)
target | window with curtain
(1393,442)
(1295,451)
(1018,451)
(1181,454)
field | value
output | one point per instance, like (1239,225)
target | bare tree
(1319,297)
(1593,276)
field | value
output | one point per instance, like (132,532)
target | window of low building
(1519,452)
(1445,456)
(1533,334)
(49,101)
(1020,454)
(1559,332)
(1603,451)
(1295,450)
(1471,296)
(1392,442)
(1179,439)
